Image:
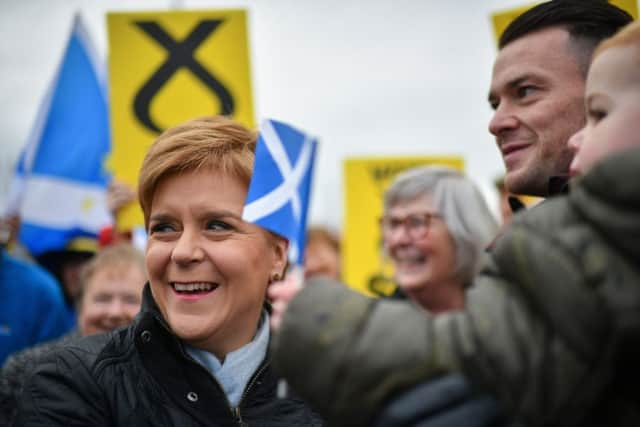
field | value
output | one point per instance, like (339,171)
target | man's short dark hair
(588,22)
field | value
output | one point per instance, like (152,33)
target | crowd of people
(532,323)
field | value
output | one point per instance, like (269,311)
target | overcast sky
(369,78)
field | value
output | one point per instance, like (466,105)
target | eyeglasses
(416,225)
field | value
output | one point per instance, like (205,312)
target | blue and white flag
(278,197)
(60,186)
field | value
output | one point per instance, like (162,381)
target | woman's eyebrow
(222,213)
(159,217)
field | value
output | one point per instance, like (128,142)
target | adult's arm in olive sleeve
(531,334)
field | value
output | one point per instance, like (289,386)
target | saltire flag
(59,186)
(280,188)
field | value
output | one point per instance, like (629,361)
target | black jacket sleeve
(63,392)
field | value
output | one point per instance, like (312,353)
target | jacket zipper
(237,415)
(235,411)
(254,379)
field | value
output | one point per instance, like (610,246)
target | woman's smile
(193,290)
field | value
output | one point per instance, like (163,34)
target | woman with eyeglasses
(435,227)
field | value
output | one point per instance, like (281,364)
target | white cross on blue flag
(278,197)
(59,187)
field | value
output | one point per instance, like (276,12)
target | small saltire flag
(279,192)
(59,187)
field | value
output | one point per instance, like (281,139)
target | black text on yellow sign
(166,68)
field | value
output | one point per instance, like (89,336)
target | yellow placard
(166,68)
(502,19)
(364,266)
(631,6)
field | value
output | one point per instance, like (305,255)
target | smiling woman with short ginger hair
(197,354)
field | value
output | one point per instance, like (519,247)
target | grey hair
(461,205)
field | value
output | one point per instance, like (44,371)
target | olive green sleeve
(346,353)
(532,335)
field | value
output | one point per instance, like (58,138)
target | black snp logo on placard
(180,55)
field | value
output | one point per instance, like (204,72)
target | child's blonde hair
(629,35)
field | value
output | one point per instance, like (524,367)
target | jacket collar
(557,185)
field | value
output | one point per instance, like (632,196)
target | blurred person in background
(197,354)
(435,227)
(32,308)
(111,289)
(322,253)
(109,297)
(65,264)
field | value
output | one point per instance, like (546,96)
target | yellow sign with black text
(166,68)
(364,265)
